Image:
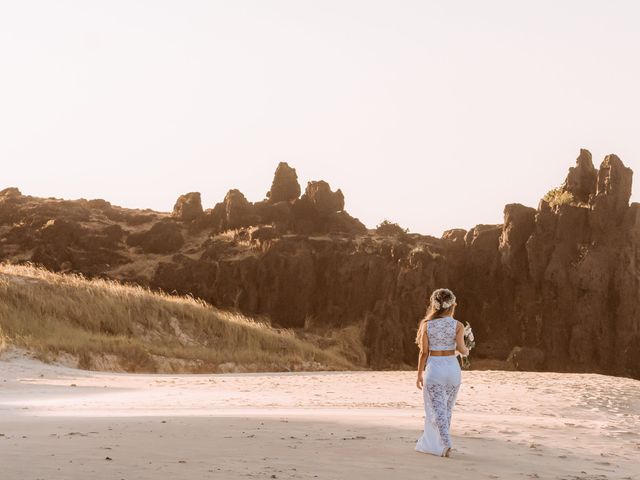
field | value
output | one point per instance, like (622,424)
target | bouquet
(469,342)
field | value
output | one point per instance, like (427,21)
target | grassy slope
(106,325)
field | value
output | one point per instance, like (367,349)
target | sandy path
(60,423)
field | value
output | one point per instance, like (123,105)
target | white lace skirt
(441,383)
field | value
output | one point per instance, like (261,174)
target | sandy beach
(62,423)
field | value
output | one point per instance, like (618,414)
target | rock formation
(325,201)
(285,186)
(555,287)
(188,207)
(582,179)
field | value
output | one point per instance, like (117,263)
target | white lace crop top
(442,333)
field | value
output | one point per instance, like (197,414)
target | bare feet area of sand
(62,423)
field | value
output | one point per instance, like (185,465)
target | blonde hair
(441,300)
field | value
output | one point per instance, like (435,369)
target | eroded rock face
(556,287)
(519,222)
(612,194)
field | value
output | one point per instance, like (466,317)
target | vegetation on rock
(386,227)
(558,196)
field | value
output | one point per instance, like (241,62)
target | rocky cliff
(555,287)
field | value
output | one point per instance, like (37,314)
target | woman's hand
(419,382)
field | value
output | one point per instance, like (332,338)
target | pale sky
(431,114)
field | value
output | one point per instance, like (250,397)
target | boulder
(285,186)
(188,207)
(235,211)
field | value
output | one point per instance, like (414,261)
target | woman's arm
(460,346)
(422,359)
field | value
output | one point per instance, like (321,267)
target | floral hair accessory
(442,298)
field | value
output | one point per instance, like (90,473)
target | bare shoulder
(459,325)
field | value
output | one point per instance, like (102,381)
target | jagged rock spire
(582,179)
(615,179)
(613,192)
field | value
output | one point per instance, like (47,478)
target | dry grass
(347,343)
(106,325)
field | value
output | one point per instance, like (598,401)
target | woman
(439,336)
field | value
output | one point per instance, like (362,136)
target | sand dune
(61,423)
